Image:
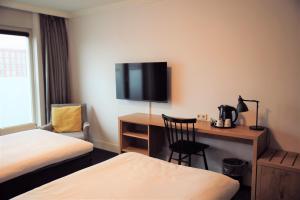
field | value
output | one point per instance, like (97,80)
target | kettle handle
(236,114)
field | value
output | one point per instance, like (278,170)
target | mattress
(135,176)
(26,151)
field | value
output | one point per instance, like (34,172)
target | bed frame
(31,180)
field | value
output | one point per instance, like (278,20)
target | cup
(227,123)
(219,123)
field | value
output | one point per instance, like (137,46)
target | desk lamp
(242,107)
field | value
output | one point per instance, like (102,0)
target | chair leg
(190,160)
(204,158)
(170,158)
(179,160)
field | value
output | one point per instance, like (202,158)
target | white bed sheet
(27,151)
(135,176)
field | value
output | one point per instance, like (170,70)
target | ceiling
(63,8)
(67,5)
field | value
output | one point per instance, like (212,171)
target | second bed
(135,176)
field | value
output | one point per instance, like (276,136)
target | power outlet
(202,117)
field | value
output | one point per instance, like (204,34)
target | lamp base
(257,128)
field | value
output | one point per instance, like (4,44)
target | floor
(243,194)
(100,155)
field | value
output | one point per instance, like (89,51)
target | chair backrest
(179,129)
(83,109)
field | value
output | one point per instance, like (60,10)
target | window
(16,94)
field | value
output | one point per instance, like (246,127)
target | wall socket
(202,117)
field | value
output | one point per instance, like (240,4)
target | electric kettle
(228,112)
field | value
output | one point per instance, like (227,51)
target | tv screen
(141,81)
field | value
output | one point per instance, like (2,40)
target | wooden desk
(139,133)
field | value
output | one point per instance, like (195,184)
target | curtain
(55,61)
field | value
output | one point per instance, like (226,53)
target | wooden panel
(290,159)
(258,182)
(254,168)
(149,141)
(138,118)
(120,136)
(143,136)
(258,147)
(277,184)
(135,149)
(242,132)
(262,143)
(267,156)
(278,157)
(133,137)
(297,162)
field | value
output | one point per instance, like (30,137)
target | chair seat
(188,147)
(78,135)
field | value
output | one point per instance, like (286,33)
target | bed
(135,176)
(31,158)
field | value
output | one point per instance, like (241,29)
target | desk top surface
(241,132)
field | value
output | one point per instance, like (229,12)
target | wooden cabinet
(278,176)
(134,138)
(140,137)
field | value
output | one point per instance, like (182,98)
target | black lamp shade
(241,107)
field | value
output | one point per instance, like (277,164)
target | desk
(143,133)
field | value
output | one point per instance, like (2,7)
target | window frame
(27,33)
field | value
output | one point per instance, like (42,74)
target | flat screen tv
(142,81)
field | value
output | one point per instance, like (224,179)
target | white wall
(216,51)
(15,18)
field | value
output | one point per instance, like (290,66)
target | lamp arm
(256,124)
(251,100)
(256,114)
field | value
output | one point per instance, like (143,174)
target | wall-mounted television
(142,81)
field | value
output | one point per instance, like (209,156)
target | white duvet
(135,176)
(27,151)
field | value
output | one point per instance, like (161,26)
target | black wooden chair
(182,139)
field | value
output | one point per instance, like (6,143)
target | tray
(233,126)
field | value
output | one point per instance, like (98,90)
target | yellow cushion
(66,119)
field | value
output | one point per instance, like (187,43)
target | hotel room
(150,99)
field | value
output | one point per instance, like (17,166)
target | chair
(182,139)
(85,125)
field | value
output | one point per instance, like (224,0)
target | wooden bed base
(31,180)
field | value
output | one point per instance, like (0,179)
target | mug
(219,123)
(227,123)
